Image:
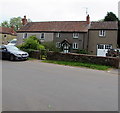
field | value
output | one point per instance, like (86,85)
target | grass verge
(31,58)
(79,64)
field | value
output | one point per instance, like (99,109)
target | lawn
(79,64)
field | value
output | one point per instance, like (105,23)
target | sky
(57,10)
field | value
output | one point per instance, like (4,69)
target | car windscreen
(12,48)
(14,41)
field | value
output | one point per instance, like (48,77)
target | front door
(66,48)
(102,49)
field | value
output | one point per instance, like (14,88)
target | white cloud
(48,10)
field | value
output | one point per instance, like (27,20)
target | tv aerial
(86,10)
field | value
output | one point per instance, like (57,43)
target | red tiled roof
(104,25)
(6,30)
(55,26)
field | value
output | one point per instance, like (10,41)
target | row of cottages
(71,36)
(7,34)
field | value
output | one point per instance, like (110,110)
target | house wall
(19,38)
(47,37)
(94,39)
(81,40)
(4,38)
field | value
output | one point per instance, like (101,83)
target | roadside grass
(31,58)
(79,64)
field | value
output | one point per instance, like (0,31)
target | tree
(5,24)
(110,17)
(16,22)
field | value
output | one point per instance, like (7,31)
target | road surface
(37,86)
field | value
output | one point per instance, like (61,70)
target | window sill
(75,37)
(75,48)
(102,36)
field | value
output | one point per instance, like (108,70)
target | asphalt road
(37,86)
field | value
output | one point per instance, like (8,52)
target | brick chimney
(24,21)
(88,19)
(12,29)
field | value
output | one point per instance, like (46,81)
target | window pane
(108,46)
(102,33)
(58,44)
(75,46)
(100,46)
(42,35)
(57,34)
(75,35)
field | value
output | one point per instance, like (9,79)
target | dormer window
(102,33)
(75,35)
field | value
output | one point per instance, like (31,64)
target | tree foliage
(15,21)
(5,24)
(31,43)
(110,17)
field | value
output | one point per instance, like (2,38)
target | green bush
(82,51)
(34,38)
(31,43)
(50,46)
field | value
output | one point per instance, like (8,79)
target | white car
(13,42)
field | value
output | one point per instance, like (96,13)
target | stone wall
(35,54)
(108,61)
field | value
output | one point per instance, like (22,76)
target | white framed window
(102,33)
(42,36)
(108,46)
(100,46)
(58,44)
(24,35)
(75,45)
(75,35)
(58,35)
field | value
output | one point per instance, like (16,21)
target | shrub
(31,43)
(50,46)
(82,51)
(34,38)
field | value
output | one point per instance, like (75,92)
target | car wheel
(11,58)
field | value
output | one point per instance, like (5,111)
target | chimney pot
(24,17)
(88,19)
